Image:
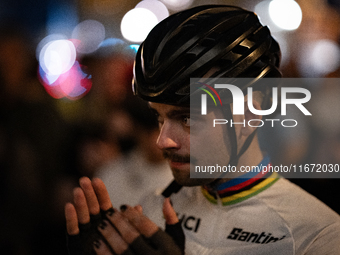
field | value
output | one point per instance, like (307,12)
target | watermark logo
(204,97)
(238,99)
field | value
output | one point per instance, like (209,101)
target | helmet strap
(232,139)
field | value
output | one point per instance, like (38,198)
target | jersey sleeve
(327,242)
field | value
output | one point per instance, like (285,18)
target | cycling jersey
(246,216)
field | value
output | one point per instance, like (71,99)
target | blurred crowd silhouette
(47,144)
(32,137)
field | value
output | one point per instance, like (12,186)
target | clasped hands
(95,227)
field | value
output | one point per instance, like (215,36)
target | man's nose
(167,138)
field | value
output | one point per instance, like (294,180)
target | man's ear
(252,120)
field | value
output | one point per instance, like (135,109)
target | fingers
(125,228)
(91,197)
(86,201)
(143,224)
(102,194)
(173,226)
(81,206)
(71,219)
(116,241)
(139,209)
(101,248)
(169,212)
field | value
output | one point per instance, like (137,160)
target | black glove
(82,244)
(159,243)
(177,234)
(175,230)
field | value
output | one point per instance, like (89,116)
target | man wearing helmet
(261,214)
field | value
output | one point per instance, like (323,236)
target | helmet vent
(192,53)
(208,42)
(224,63)
(240,49)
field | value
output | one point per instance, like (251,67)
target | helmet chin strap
(232,139)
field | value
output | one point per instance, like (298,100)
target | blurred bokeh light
(177,5)
(279,15)
(319,58)
(90,33)
(73,84)
(157,7)
(57,57)
(90,25)
(286,14)
(137,23)
(46,40)
(59,71)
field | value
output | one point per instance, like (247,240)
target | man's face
(178,131)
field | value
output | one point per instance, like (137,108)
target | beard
(182,176)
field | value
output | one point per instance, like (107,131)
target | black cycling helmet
(227,39)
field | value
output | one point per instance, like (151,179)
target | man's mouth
(178,165)
(176,160)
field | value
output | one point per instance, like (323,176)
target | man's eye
(187,121)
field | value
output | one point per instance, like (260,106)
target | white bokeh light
(90,33)
(157,7)
(325,56)
(177,5)
(46,40)
(57,57)
(137,23)
(286,14)
(319,58)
